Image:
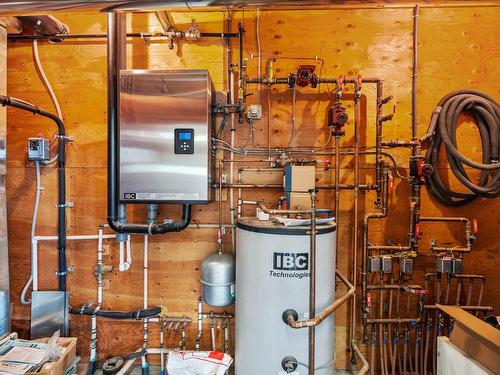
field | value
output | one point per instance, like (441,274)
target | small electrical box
(444,264)
(38,149)
(406,265)
(386,264)
(373,264)
(457,266)
(254,112)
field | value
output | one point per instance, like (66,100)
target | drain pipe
(116,53)
(61,180)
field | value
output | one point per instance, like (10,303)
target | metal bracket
(66,205)
(65,138)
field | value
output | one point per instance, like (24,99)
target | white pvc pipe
(34,250)
(231,169)
(145,296)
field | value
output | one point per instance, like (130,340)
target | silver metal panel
(49,313)
(4,251)
(153,103)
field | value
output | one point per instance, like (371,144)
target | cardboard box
(68,355)
(300,201)
(478,339)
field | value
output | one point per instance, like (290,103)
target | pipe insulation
(137,315)
(443,130)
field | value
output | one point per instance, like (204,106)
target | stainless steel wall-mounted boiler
(165,130)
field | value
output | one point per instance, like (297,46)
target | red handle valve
(418,234)
(475,228)
(368,299)
(391,183)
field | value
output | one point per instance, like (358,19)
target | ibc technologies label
(290,265)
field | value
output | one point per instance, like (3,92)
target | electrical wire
(36,207)
(443,130)
(48,86)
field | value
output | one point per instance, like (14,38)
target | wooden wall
(458,49)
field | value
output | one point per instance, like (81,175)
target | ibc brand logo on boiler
(291,261)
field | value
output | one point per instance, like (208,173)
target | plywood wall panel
(457,49)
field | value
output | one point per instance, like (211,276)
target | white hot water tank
(272,275)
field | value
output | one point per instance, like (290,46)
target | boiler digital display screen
(185,136)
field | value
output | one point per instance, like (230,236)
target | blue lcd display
(185,136)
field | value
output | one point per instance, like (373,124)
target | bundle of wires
(443,130)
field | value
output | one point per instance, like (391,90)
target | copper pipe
(393,287)
(405,353)
(459,291)
(378,142)
(284,80)
(354,270)
(312,322)
(469,292)
(364,369)
(312,284)
(447,295)
(373,342)
(401,248)
(392,320)
(364,261)
(269,123)
(380,329)
(469,237)
(337,199)
(427,337)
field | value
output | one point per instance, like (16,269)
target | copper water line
(269,123)
(459,291)
(436,323)
(392,320)
(403,287)
(469,236)
(400,248)
(405,351)
(364,369)
(220,238)
(389,315)
(364,267)
(318,318)
(447,295)
(380,328)
(427,338)
(417,357)
(469,292)
(378,142)
(373,342)
(354,270)
(337,199)
(312,284)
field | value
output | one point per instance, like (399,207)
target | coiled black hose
(138,315)
(442,129)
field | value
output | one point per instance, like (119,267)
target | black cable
(442,130)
